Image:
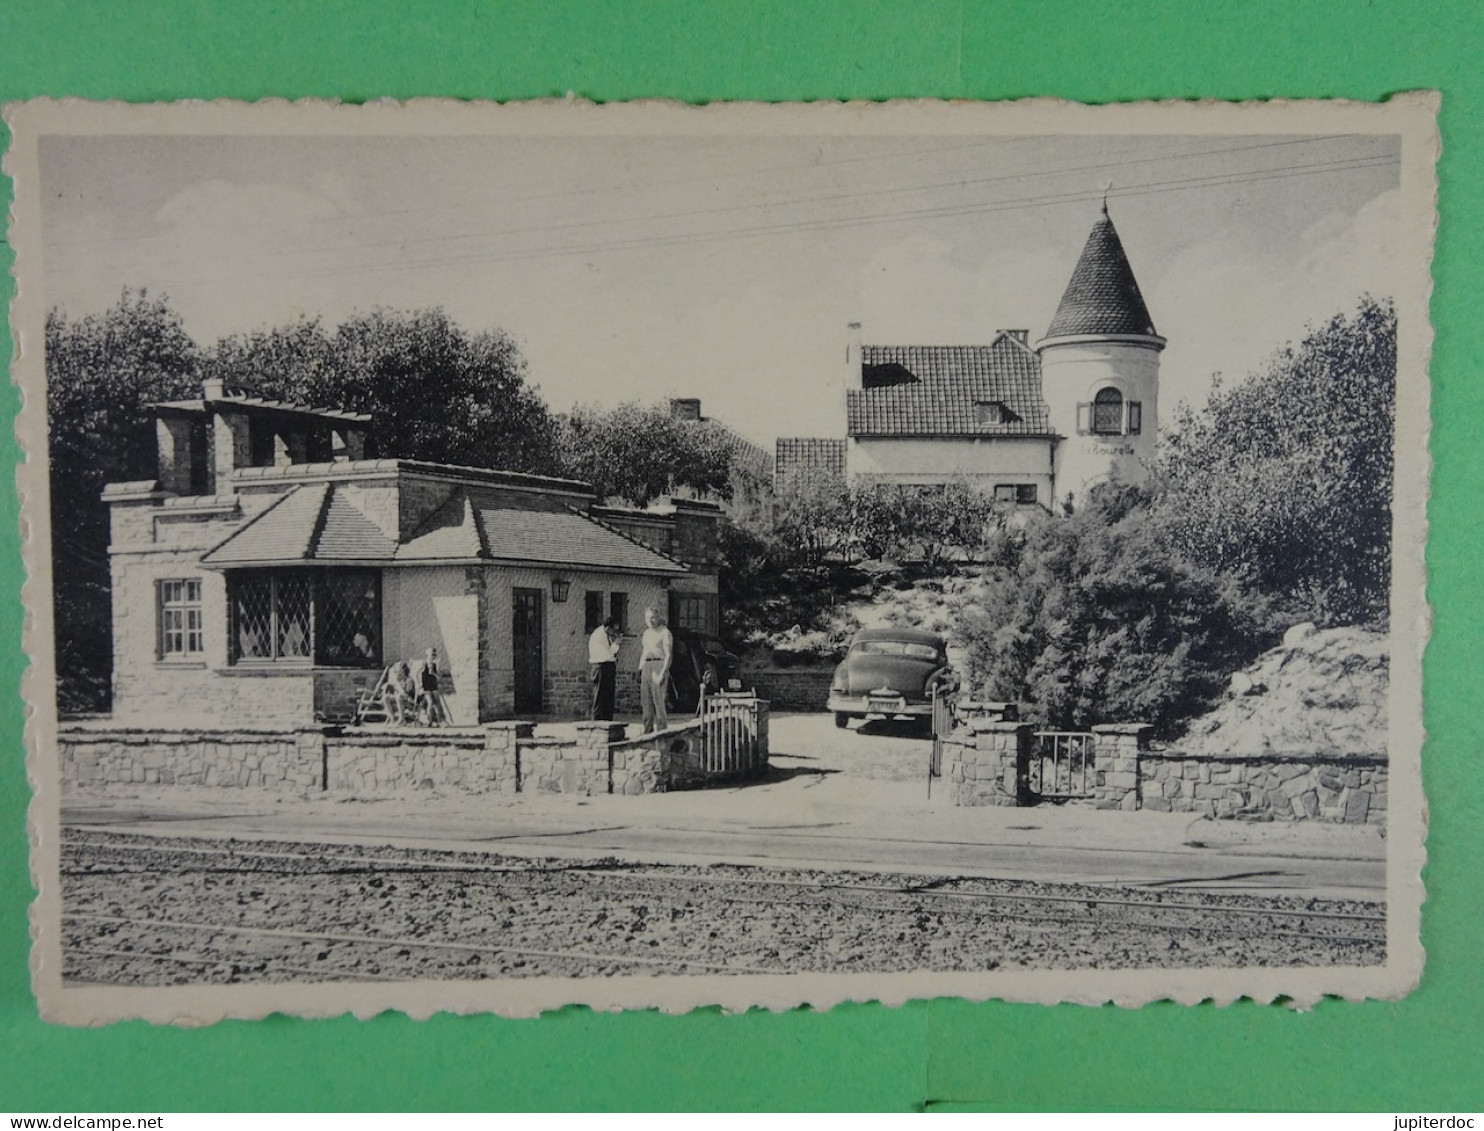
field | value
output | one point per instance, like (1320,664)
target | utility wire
(820,225)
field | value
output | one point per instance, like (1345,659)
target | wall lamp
(560,587)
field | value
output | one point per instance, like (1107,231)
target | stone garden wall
(677,758)
(247,758)
(473,759)
(499,757)
(1349,789)
(986,761)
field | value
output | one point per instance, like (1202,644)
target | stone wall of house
(987,762)
(569,694)
(1349,789)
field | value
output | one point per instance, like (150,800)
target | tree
(924,522)
(434,391)
(810,516)
(102,374)
(1285,479)
(640,452)
(1090,618)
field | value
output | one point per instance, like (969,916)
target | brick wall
(791,689)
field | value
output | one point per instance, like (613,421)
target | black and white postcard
(494,557)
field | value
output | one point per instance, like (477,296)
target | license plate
(885,705)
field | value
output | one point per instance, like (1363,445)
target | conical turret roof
(1103,296)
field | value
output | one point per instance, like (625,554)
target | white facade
(1100,441)
(987,461)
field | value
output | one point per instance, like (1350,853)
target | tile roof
(314,523)
(451,532)
(1103,296)
(319,522)
(568,538)
(804,454)
(937,391)
(346,534)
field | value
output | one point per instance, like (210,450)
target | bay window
(329,616)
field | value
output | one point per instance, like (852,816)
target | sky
(648,267)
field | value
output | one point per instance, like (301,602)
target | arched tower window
(1107,412)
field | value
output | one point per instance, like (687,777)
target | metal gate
(943,722)
(729,734)
(1063,765)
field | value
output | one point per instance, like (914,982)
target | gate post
(995,768)
(1116,757)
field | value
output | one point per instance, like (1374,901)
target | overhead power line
(820,225)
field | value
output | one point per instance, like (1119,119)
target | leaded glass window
(347,618)
(331,616)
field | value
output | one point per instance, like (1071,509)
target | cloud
(1226,308)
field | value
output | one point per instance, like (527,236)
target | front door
(529,666)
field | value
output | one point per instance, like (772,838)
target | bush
(1093,618)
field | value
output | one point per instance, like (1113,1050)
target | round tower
(1100,371)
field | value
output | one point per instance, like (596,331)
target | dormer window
(994,412)
(1108,414)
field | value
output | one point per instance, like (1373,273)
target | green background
(1422,1053)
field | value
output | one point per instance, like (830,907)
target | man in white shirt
(602,656)
(656,649)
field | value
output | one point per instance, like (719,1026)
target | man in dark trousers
(602,656)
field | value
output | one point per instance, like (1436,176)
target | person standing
(656,649)
(602,656)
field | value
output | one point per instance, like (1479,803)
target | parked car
(698,661)
(890,672)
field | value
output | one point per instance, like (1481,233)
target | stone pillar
(502,755)
(988,763)
(595,747)
(354,440)
(508,735)
(173,454)
(230,447)
(1116,762)
(294,444)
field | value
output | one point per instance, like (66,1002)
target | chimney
(685,408)
(1021,336)
(852,355)
(213,390)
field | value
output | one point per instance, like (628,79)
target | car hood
(860,675)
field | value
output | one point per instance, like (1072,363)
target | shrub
(1094,618)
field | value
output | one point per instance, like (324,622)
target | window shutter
(1084,418)
(1135,417)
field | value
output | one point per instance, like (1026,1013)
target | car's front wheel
(842,720)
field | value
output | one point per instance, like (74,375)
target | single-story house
(270,572)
